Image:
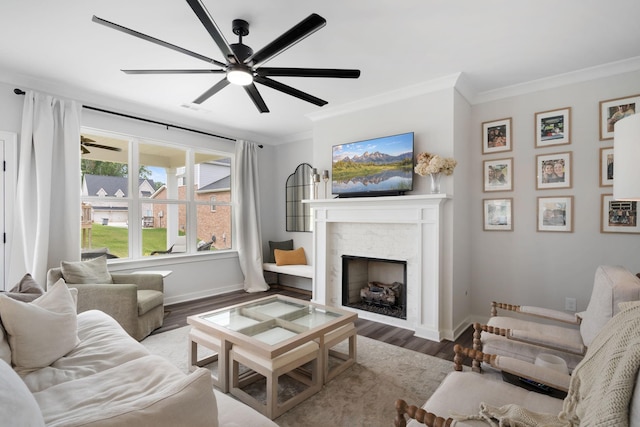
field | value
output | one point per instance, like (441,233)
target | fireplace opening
(375,285)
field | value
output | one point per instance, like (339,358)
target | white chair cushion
(283,359)
(612,284)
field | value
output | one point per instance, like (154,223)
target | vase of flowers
(434,166)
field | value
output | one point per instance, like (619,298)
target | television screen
(374,167)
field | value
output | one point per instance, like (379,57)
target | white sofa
(109,379)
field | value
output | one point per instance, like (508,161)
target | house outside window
(170,199)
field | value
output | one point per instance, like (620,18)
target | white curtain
(47,212)
(247,216)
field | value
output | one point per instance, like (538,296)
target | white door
(8,147)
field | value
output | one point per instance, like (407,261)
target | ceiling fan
(244,67)
(87,142)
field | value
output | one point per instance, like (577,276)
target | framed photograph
(553,127)
(498,175)
(496,136)
(555,213)
(498,214)
(606,167)
(553,171)
(618,216)
(613,110)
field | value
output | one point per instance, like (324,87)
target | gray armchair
(136,301)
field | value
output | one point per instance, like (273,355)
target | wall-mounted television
(374,167)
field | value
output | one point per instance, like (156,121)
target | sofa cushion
(42,331)
(103,345)
(18,407)
(285,245)
(147,391)
(148,299)
(294,257)
(90,271)
(612,284)
(27,289)
(5,350)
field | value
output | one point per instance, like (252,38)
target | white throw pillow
(42,331)
(18,407)
(91,271)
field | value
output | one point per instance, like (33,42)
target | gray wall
(542,268)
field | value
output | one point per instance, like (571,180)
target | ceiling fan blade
(212,91)
(155,40)
(255,96)
(308,72)
(305,28)
(104,147)
(290,91)
(173,71)
(210,25)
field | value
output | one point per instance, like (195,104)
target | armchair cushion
(57,334)
(148,299)
(90,271)
(612,284)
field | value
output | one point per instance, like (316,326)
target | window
(179,202)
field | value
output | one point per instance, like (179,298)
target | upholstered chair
(136,301)
(524,339)
(602,390)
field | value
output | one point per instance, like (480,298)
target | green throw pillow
(286,245)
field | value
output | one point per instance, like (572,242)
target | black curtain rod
(167,125)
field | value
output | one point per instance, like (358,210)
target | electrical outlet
(570,304)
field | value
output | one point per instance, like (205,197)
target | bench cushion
(292,270)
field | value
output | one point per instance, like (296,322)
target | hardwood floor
(176,317)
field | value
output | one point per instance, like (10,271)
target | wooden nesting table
(267,327)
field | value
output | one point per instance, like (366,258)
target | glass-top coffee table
(267,327)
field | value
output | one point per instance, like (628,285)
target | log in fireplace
(375,285)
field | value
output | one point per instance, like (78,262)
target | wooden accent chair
(603,389)
(525,339)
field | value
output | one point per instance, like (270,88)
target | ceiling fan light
(240,77)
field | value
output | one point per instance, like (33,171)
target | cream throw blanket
(601,385)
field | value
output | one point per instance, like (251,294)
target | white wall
(542,268)
(430,116)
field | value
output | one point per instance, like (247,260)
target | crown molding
(573,77)
(388,97)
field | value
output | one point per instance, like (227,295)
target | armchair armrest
(545,313)
(150,282)
(427,418)
(539,374)
(529,337)
(119,301)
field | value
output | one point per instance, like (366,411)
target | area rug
(363,395)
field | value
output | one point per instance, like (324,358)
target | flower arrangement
(433,163)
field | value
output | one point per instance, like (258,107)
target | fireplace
(375,285)
(390,228)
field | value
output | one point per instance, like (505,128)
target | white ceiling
(54,46)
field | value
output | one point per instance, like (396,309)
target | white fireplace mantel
(408,228)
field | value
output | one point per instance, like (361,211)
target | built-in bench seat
(292,270)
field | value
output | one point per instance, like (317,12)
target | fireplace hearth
(374,285)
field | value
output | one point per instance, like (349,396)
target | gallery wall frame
(497,175)
(612,110)
(498,214)
(496,136)
(555,213)
(618,216)
(606,167)
(553,127)
(553,170)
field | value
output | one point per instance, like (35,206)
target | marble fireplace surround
(405,228)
